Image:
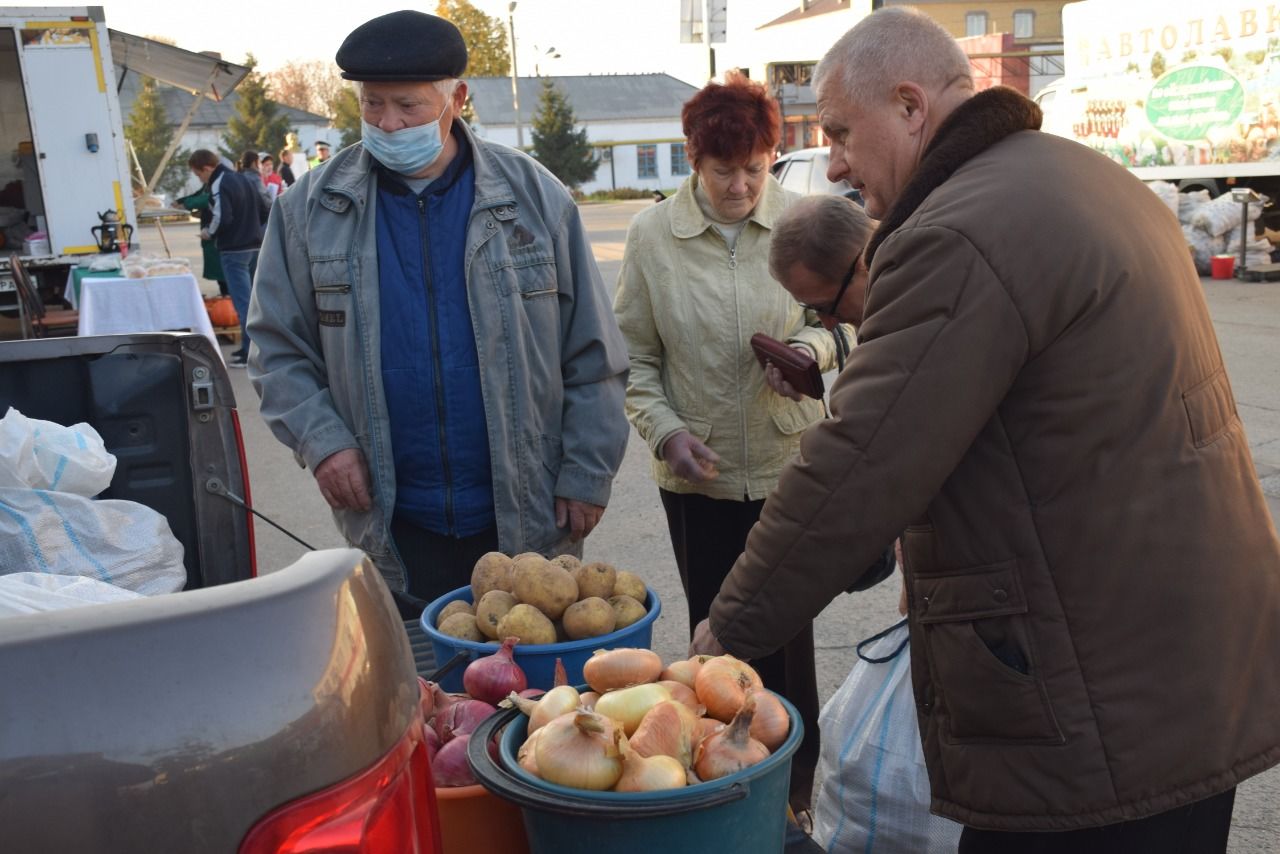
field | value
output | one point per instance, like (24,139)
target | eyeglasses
(831,309)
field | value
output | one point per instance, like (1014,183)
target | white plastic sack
(36,592)
(1221,215)
(1256,252)
(1190,203)
(44,455)
(1203,248)
(875,789)
(120,542)
(1167,192)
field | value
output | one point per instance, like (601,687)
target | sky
(589,35)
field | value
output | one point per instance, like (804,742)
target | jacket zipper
(742,414)
(438,376)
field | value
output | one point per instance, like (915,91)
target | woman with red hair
(694,287)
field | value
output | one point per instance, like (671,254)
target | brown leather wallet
(797,368)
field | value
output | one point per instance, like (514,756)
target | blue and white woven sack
(44,455)
(874,797)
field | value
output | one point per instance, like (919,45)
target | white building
(633,120)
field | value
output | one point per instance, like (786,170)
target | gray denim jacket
(553,364)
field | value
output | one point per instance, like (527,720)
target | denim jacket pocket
(981,657)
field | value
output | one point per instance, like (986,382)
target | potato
(627,609)
(492,608)
(566,562)
(492,572)
(527,623)
(629,584)
(589,618)
(547,587)
(457,606)
(522,563)
(561,635)
(462,626)
(595,580)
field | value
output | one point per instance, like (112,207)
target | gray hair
(445,87)
(888,47)
(814,231)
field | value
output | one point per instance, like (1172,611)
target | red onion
(532,693)
(495,676)
(440,700)
(460,718)
(432,740)
(450,767)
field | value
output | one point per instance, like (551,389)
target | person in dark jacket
(1039,402)
(286,168)
(235,227)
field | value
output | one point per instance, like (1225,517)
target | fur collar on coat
(973,127)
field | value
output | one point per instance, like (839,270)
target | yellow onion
(608,670)
(628,706)
(667,730)
(771,722)
(683,672)
(551,705)
(649,773)
(684,695)
(704,728)
(732,749)
(722,684)
(588,699)
(525,756)
(580,750)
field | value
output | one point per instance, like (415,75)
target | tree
(344,110)
(556,144)
(310,86)
(485,36)
(257,124)
(150,133)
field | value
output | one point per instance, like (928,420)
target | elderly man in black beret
(431,334)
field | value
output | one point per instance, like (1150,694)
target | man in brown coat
(1038,404)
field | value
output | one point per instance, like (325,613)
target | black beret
(404,45)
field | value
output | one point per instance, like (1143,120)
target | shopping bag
(874,797)
(44,455)
(120,542)
(37,592)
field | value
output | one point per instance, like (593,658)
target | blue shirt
(430,371)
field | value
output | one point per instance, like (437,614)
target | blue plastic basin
(744,813)
(538,661)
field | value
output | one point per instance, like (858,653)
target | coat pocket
(982,663)
(792,417)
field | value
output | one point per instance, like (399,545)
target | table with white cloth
(113,306)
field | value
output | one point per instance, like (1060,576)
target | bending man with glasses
(693,288)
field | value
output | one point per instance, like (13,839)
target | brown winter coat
(1039,400)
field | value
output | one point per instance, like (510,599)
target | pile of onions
(642,726)
(451,718)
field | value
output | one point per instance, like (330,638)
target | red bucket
(1222,266)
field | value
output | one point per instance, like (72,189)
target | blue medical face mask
(408,150)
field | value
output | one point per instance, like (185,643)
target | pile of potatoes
(543,601)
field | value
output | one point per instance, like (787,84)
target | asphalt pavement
(633,533)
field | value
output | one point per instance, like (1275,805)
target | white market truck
(1176,90)
(64,157)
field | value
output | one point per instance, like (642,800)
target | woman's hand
(773,377)
(690,459)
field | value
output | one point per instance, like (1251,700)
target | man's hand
(204,234)
(690,459)
(578,516)
(773,377)
(344,480)
(705,643)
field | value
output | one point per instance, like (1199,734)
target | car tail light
(248,498)
(391,807)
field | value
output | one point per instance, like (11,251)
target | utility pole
(515,86)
